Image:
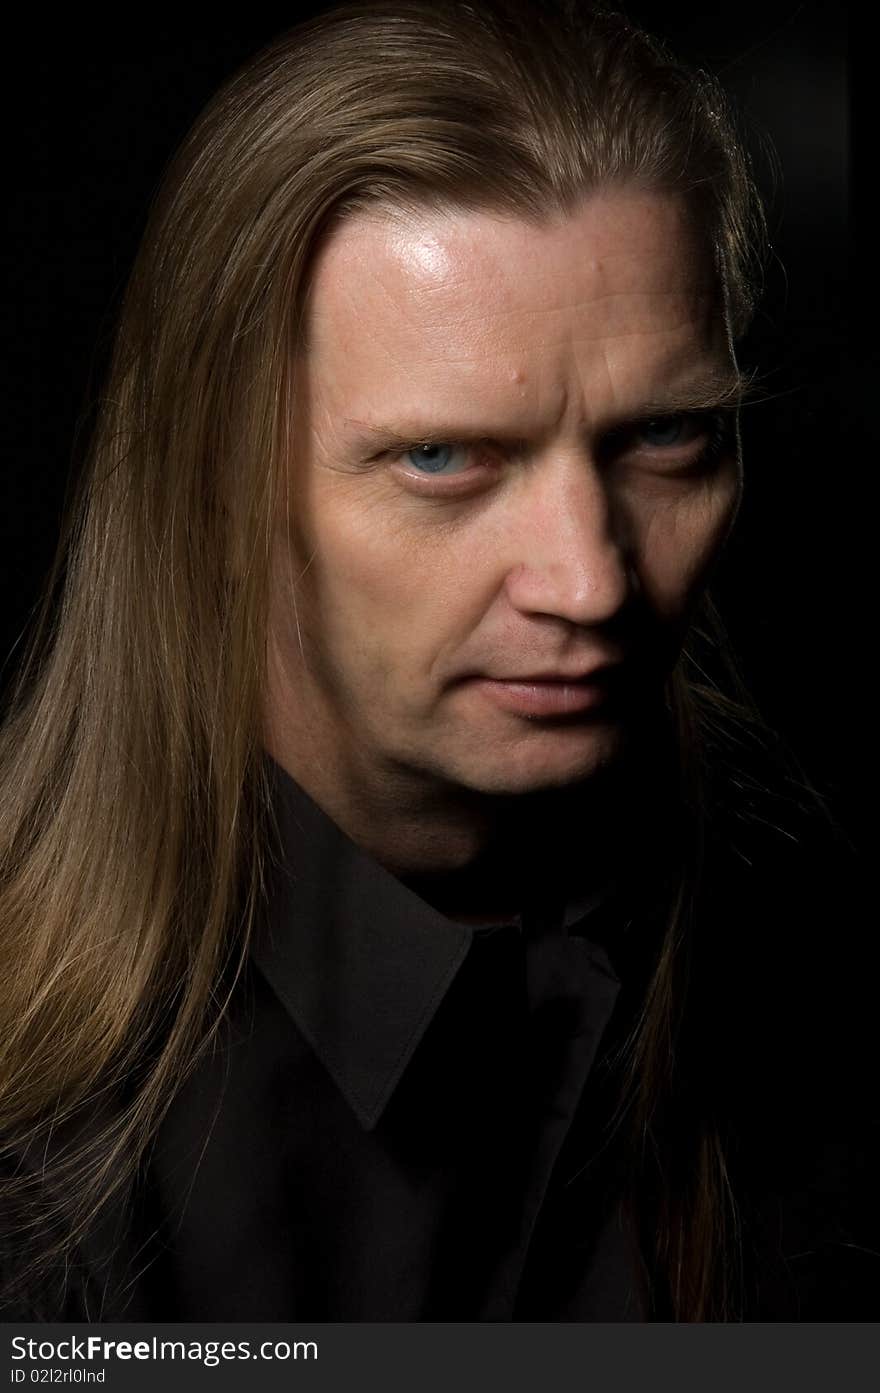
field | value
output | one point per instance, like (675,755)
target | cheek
(679,541)
(375,585)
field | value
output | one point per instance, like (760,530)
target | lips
(549,694)
(596,672)
(591,675)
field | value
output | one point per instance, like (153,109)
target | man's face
(497,477)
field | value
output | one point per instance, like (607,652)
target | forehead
(446,300)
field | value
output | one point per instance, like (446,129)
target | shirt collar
(359,961)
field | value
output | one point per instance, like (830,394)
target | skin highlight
(499,470)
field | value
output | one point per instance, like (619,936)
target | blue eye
(433,458)
(663,431)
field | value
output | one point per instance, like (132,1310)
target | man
(514,472)
(377,867)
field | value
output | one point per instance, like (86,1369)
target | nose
(572,559)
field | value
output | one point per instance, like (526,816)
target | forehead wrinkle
(465,343)
(492,295)
(484,326)
(476,303)
(483,308)
(692,370)
(548,358)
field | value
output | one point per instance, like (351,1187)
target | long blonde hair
(133,809)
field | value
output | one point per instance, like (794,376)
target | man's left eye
(435,458)
(664,431)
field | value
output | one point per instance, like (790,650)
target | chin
(543,765)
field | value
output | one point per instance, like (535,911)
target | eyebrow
(706,392)
(709,391)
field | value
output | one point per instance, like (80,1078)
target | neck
(556,840)
(481,858)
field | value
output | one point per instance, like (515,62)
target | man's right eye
(433,458)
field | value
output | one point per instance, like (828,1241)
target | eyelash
(716,423)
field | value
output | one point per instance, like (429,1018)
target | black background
(96,111)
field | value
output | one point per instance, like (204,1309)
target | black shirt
(380,1133)
(407,1118)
